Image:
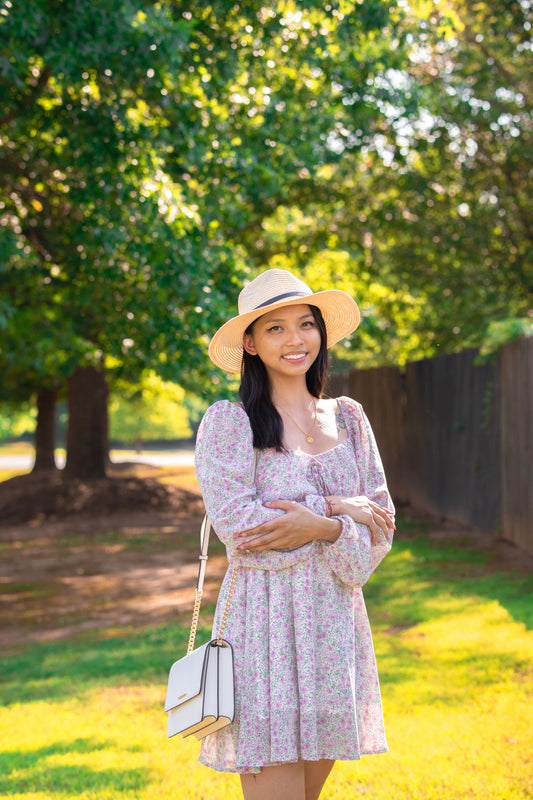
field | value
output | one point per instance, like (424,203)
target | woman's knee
(282,782)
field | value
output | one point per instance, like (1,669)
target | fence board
(380,393)
(457,438)
(517,442)
(452,431)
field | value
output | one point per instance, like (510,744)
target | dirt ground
(97,555)
(120,553)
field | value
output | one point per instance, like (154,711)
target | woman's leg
(283,782)
(316,773)
(300,781)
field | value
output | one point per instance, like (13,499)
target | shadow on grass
(446,582)
(59,670)
(30,771)
(415,582)
(422,581)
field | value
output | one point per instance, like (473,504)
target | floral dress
(306,684)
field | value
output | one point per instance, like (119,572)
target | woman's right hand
(367,512)
(295,527)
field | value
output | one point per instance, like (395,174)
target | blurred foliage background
(153,155)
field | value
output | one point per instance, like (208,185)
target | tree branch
(29,99)
(509,76)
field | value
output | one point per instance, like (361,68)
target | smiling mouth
(295,356)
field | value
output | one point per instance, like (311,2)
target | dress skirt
(306,683)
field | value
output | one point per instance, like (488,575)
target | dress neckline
(331,449)
(302,452)
(322,453)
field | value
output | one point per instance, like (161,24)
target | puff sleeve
(352,557)
(225,463)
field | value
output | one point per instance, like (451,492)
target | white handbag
(200,691)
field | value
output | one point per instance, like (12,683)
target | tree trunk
(45,432)
(87,434)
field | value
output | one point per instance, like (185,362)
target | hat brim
(339,310)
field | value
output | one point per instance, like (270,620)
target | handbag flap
(185,678)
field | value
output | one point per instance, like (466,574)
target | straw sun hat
(273,289)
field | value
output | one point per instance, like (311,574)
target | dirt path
(72,570)
(126,569)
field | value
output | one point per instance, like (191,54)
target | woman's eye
(309,324)
(274,328)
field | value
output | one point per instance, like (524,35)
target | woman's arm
(297,526)
(363,520)
(361,509)
(359,549)
(225,468)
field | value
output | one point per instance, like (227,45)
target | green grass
(16,448)
(83,718)
(34,590)
(134,541)
(6,474)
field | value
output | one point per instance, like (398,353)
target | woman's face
(287,340)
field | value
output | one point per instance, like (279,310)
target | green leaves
(429,197)
(143,147)
(152,154)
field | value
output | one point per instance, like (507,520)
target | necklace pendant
(309,439)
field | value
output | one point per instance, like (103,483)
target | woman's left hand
(296,527)
(362,509)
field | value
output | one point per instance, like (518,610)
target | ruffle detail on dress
(295,697)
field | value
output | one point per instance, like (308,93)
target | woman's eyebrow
(283,319)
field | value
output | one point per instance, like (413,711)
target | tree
(462,168)
(156,412)
(429,223)
(452,173)
(102,245)
(143,144)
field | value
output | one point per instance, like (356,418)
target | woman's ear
(248,344)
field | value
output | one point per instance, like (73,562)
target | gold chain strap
(194,623)
(204,544)
(196,613)
(226,607)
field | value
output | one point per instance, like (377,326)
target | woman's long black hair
(254,392)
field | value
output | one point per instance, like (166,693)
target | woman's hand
(365,511)
(296,527)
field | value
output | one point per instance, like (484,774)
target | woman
(295,489)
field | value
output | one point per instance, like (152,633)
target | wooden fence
(455,437)
(516,378)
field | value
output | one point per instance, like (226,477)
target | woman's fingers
(384,520)
(273,524)
(380,521)
(255,544)
(263,528)
(377,518)
(271,540)
(383,512)
(285,505)
(287,530)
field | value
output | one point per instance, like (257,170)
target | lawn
(453,636)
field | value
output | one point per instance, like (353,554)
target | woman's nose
(294,335)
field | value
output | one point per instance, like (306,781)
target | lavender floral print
(306,684)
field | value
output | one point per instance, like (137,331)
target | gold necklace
(307,435)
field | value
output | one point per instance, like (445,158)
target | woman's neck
(292,393)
